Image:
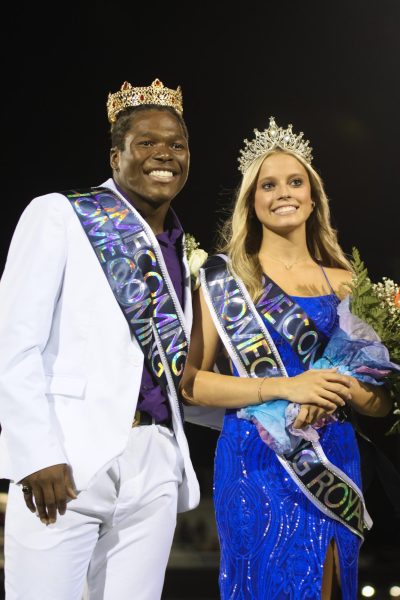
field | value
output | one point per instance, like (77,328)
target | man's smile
(163,175)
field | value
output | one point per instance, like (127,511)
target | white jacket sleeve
(29,289)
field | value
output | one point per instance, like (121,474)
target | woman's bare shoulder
(340,280)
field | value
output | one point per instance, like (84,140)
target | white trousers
(114,539)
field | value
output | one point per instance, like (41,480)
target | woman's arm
(200,386)
(370,400)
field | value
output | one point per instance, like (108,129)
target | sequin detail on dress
(273,539)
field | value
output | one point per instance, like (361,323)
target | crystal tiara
(273,137)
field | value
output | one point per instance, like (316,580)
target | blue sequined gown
(273,539)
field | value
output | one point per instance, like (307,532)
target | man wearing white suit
(95,312)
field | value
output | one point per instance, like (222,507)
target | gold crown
(155,93)
(273,137)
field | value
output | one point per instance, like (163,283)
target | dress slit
(331,575)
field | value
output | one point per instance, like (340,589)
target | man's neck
(154,214)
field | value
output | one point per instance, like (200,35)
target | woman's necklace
(288,266)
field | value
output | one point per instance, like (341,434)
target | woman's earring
(312,204)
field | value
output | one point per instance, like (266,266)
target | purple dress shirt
(151,397)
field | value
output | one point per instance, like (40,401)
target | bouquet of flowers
(365,345)
(378,305)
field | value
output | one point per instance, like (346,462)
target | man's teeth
(283,210)
(161,173)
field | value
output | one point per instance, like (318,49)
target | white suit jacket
(70,371)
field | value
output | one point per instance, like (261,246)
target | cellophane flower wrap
(365,345)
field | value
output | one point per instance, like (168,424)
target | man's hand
(310,414)
(46,491)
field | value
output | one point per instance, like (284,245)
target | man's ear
(114,158)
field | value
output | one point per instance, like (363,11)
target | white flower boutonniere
(196,257)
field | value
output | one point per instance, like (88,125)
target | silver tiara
(273,137)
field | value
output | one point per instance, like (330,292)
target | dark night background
(329,67)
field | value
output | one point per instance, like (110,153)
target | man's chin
(159,196)
(159,199)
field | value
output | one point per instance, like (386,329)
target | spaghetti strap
(326,277)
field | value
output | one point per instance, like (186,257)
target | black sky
(331,68)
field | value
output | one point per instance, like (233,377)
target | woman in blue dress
(278,540)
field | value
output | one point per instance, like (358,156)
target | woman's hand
(324,388)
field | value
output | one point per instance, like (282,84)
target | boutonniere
(196,257)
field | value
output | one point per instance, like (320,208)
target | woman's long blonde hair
(241,234)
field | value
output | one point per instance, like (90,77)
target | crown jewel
(155,93)
(273,137)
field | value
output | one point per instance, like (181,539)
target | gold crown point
(156,94)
